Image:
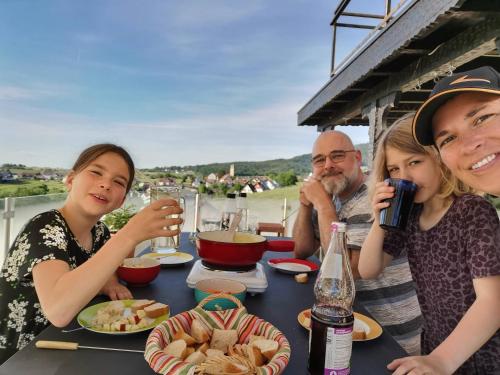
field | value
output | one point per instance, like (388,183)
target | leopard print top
(464,245)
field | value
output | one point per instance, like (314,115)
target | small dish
(292,265)
(170,260)
(207,287)
(361,322)
(138,271)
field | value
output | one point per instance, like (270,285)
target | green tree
(286,178)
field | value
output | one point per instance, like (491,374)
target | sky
(178,82)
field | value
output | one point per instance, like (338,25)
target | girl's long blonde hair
(399,136)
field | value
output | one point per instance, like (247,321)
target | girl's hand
(114,290)
(418,365)
(382,191)
(153,221)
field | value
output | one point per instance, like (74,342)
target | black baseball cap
(484,79)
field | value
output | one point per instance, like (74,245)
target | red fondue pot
(246,249)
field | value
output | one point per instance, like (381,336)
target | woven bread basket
(245,324)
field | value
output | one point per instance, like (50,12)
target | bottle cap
(338,226)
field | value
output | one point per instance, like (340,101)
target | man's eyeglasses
(336,156)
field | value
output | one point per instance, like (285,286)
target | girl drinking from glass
(452,241)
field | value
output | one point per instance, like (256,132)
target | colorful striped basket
(238,318)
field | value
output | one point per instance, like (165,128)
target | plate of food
(170,260)
(292,265)
(123,317)
(365,328)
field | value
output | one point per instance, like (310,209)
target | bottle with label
(332,320)
(229,211)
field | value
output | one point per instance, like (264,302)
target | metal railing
(202,212)
(340,11)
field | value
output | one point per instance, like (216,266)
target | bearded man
(336,191)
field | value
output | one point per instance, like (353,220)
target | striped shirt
(390,298)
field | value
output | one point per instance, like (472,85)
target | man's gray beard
(335,187)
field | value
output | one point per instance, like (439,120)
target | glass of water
(167,245)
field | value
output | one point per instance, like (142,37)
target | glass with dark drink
(395,217)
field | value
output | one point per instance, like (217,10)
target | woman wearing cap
(462,119)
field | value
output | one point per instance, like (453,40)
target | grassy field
(9,189)
(289,192)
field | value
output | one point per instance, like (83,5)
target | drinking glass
(166,245)
(396,215)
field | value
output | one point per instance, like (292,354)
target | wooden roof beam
(466,46)
(414,51)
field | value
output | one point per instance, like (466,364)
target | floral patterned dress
(45,237)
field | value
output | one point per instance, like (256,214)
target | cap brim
(422,123)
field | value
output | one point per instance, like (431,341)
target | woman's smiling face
(467,134)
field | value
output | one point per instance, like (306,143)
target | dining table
(280,305)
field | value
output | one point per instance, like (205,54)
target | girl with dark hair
(62,258)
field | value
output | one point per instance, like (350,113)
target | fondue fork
(66,345)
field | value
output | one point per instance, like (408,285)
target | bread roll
(181,335)
(196,358)
(214,353)
(199,332)
(176,348)
(301,278)
(222,339)
(234,368)
(255,356)
(268,348)
(203,347)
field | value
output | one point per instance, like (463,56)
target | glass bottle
(332,320)
(229,211)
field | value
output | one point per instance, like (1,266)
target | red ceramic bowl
(138,271)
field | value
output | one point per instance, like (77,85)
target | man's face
(336,176)
(467,134)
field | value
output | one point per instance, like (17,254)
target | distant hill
(300,165)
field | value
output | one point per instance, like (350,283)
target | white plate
(173,259)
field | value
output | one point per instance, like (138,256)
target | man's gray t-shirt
(391,297)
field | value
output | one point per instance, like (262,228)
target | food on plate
(140,304)
(301,278)
(116,317)
(156,309)
(358,334)
(307,322)
(220,353)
